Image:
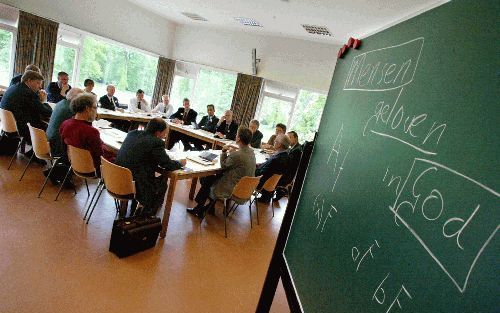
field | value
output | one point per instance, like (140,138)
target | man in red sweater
(78,131)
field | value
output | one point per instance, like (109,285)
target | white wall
(115,19)
(298,62)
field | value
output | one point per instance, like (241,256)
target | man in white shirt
(164,107)
(139,104)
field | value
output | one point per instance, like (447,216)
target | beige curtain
(164,79)
(245,98)
(36,44)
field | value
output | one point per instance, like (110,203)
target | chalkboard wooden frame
(277,267)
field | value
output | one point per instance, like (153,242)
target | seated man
(27,102)
(61,113)
(240,162)
(143,152)
(56,91)
(256,134)
(276,164)
(280,129)
(208,123)
(294,155)
(89,85)
(17,79)
(139,104)
(184,116)
(164,106)
(109,101)
(227,127)
(78,131)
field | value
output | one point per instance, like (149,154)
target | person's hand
(183,162)
(120,110)
(42,94)
(226,148)
(64,89)
(219,134)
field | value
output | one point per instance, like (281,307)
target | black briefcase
(134,234)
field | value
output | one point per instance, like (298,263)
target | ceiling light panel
(194,16)
(317,30)
(248,21)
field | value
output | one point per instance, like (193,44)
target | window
(273,111)
(108,63)
(214,87)
(202,86)
(64,61)
(307,115)
(300,110)
(6,41)
(182,87)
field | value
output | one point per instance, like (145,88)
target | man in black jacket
(227,127)
(185,116)
(294,155)
(56,91)
(17,79)
(256,134)
(208,123)
(276,164)
(143,152)
(27,102)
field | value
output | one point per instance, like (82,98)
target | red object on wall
(356,43)
(350,42)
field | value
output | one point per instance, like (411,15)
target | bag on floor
(134,234)
(9,143)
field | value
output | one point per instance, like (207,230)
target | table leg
(167,136)
(193,188)
(168,205)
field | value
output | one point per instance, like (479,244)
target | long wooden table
(127,116)
(113,138)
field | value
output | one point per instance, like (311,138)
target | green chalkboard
(399,211)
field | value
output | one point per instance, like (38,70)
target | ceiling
(343,18)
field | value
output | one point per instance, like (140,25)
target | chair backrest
(41,146)
(118,180)
(9,124)
(81,160)
(271,182)
(246,187)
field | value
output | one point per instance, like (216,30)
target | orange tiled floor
(50,261)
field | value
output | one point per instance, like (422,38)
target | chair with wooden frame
(41,150)
(82,165)
(9,125)
(269,186)
(119,183)
(241,194)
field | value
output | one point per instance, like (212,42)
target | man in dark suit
(56,91)
(109,101)
(27,102)
(294,155)
(17,79)
(227,127)
(185,116)
(276,164)
(208,123)
(143,152)
(256,134)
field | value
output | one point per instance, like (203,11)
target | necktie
(164,109)
(227,128)
(111,101)
(139,105)
(185,117)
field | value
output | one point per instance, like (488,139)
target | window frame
(13,30)
(77,58)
